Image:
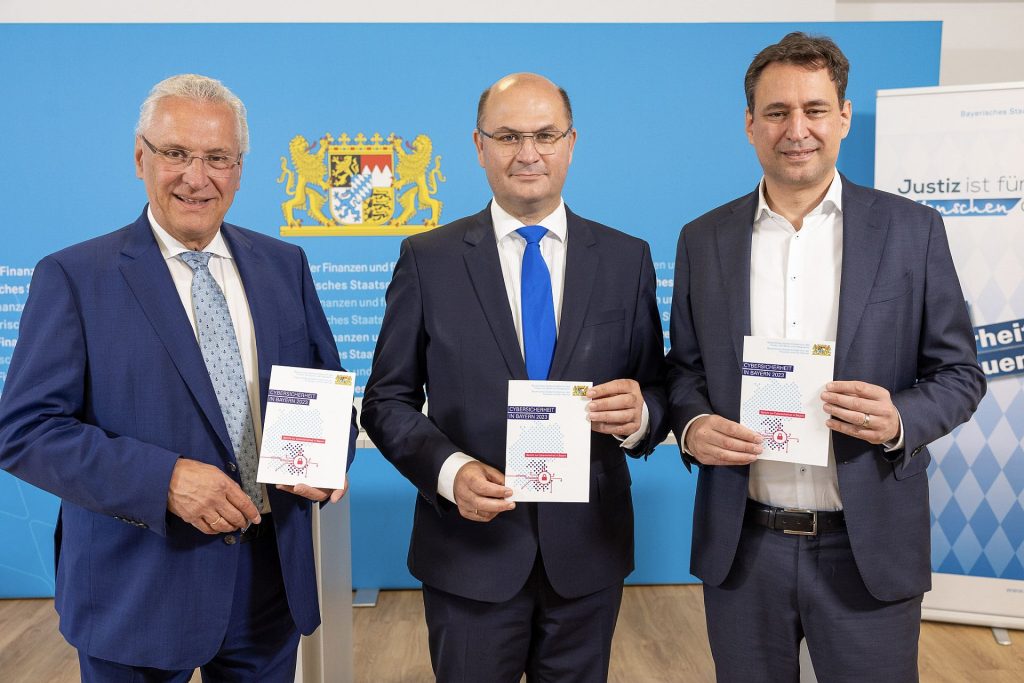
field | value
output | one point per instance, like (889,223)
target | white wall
(413,11)
(981,41)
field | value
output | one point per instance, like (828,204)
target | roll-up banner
(960,150)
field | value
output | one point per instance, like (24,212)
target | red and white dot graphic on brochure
(306,427)
(780,397)
(547,453)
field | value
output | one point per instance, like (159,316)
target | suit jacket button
(232,466)
(230,539)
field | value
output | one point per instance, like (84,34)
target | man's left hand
(315,494)
(861,410)
(616,407)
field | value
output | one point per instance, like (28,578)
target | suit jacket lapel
(261,305)
(734,234)
(145,272)
(581,267)
(485,273)
(864,234)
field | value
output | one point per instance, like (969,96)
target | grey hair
(198,88)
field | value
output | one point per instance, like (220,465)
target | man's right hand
(208,499)
(714,440)
(480,492)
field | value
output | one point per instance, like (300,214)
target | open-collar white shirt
(794,294)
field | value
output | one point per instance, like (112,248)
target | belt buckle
(814,522)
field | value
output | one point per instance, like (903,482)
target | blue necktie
(538,306)
(224,364)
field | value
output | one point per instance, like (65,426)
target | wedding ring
(216,521)
(866,421)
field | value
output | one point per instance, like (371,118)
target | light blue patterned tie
(538,307)
(224,364)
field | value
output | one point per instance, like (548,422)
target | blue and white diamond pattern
(977,476)
(347,202)
(977,489)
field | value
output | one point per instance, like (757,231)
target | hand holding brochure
(306,428)
(547,443)
(780,397)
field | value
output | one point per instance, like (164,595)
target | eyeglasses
(510,142)
(217,165)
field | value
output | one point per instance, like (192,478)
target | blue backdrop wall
(659,109)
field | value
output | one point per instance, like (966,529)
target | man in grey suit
(837,554)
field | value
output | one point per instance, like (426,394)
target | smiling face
(528,185)
(186,202)
(796,127)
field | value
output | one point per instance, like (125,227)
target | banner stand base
(365,597)
(1001,635)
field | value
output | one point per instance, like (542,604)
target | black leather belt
(264,528)
(795,520)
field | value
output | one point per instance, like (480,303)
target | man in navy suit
(838,554)
(135,395)
(530,587)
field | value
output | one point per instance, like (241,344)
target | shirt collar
(505,223)
(832,201)
(170,247)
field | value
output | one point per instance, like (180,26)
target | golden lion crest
(361,183)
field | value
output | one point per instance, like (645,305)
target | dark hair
(487,93)
(811,52)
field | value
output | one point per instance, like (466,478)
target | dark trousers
(538,632)
(261,641)
(783,588)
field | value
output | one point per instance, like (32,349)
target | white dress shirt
(225,273)
(794,294)
(511,247)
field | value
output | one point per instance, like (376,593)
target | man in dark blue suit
(836,554)
(135,395)
(509,587)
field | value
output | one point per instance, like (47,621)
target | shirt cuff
(446,477)
(682,437)
(897,443)
(636,437)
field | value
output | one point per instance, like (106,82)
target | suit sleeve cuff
(636,437)
(446,477)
